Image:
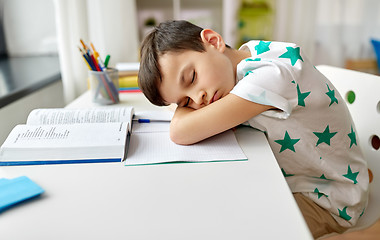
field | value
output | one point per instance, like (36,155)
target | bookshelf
(220,15)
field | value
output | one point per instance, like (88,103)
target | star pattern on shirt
(351,175)
(287,142)
(248,72)
(331,94)
(293,54)
(253,60)
(316,190)
(323,177)
(343,214)
(262,47)
(286,174)
(361,214)
(352,136)
(325,136)
(301,96)
(261,99)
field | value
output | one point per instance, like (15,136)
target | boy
(273,87)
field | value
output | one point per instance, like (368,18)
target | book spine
(75,161)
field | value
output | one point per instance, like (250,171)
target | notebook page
(150,127)
(154,115)
(151,148)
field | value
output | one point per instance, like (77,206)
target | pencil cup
(104,86)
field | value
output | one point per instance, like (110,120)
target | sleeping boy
(273,87)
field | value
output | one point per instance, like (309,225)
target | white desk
(223,200)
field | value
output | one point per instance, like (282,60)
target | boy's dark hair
(170,36)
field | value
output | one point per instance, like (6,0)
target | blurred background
(340,33)
(332,32)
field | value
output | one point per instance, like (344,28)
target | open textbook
(107,134)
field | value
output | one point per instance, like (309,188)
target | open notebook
(150,144)
(56,136)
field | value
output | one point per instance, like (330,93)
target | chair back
(361,92)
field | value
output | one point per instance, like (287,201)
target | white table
(223,200)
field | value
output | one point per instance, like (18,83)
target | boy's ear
(210,37)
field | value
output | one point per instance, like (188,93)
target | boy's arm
(189,126)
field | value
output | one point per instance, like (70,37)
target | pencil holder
(104,86)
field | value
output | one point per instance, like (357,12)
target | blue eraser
(16,190)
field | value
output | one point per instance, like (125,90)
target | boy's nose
(199,99)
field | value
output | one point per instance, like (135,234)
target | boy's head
(171,36)
(178,53)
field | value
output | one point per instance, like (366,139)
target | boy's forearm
(189,126)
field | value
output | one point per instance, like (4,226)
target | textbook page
(65,142)
(85,115)
(151,144)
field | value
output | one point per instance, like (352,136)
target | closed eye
(188,99)
(192,80)
(187,102)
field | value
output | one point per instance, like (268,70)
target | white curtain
(329,31)
(295,22)
(344,29)
(111,25)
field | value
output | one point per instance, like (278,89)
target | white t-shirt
(311,134)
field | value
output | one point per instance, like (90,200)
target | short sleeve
(268,78)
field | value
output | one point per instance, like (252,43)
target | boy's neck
(236,56)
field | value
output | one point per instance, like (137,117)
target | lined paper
(156,147)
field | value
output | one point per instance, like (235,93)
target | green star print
(293,54)
(286,174)
(361,214)
(253,60)
(323,177)
(287,142)
(247,73)
(261,99)
(343,214)
(331,94)
(316,190)
(350,175)
(325,136)
(262,47)
(301,96)
(352,136)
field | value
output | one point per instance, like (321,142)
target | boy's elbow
(178,135)
(178,139)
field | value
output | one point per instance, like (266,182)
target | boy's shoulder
(275,52)
(264,46)
(271,48)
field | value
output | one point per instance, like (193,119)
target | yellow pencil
(96,54)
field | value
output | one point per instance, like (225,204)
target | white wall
(29,27)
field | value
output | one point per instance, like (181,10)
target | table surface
(220,200)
